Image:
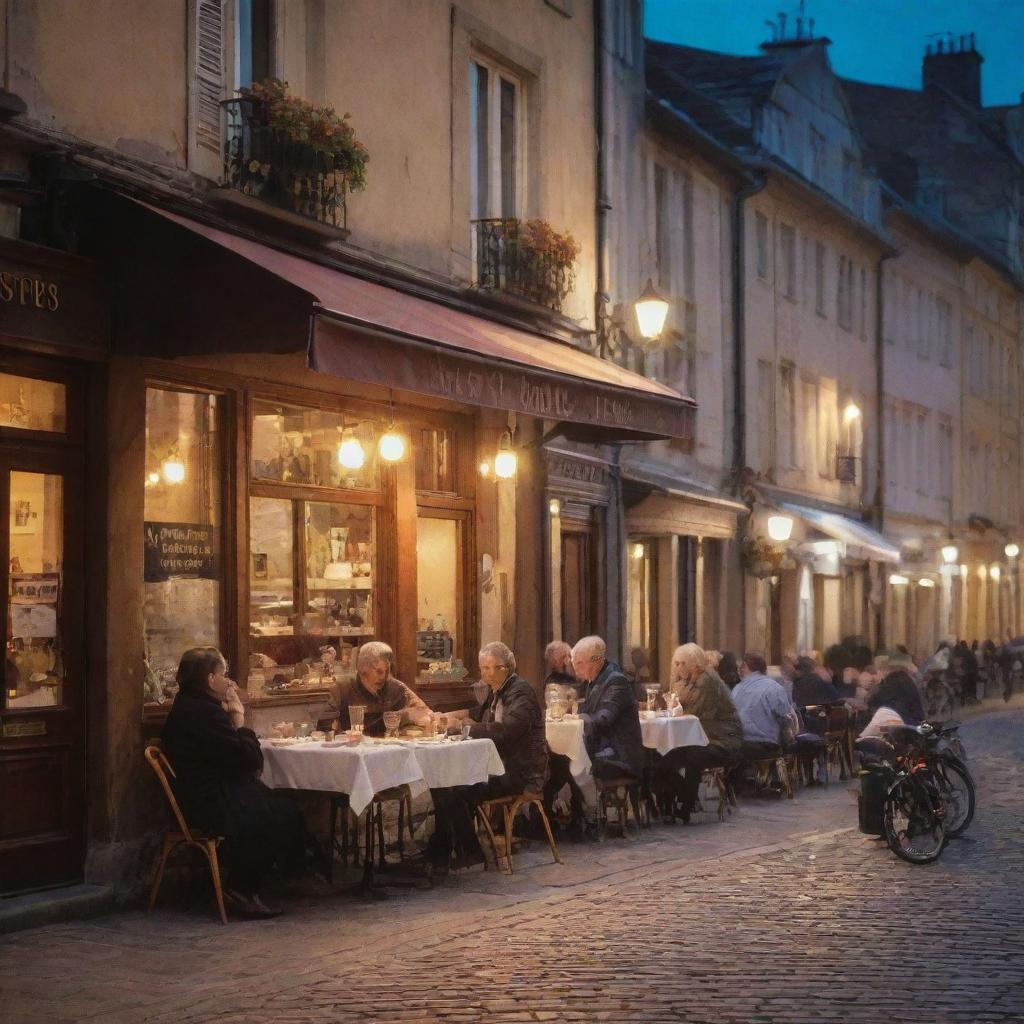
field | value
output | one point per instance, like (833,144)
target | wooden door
(42,714)
(577,583)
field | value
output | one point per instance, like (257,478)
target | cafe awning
(872,546)
(365,331)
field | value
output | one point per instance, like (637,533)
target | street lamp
(780,528)
(950,552)
(1011,550)
(651,312)
(506,461)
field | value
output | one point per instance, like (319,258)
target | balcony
(526,259)
(278,167)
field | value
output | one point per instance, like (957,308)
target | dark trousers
(454,809)
(560,776)
(692,761)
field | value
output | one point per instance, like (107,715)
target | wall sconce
(651,312)
(351,454)
(950,553)
(172,469)
(926,583)
(897,580)
(995,572)
(506,462)
(555,508)
(851,413)
(1011,550)
(780,528)
(391,446)
(638,551)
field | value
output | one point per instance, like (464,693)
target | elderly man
(512,717)
(377,690)
(702,693)
(560,679)
(610,714)
(764,709)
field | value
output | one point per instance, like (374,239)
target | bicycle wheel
(913,830)
(957,788)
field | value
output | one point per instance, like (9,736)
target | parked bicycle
(941,745)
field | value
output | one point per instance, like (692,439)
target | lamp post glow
(780,528)
(651,312)
(351,454)
(950,552)
(1011,550)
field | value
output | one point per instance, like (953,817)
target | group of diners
(217,759)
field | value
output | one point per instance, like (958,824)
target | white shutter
(206,85)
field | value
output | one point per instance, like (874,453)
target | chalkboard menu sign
(181,549)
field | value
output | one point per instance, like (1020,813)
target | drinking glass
(465,730)
(392,720)
(356,716)
(442,724)
(652,697)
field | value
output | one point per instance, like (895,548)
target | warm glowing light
(638,551)
(995,572)
(851,412)
(154,477)
(391,446)
(780,527)
(950,553)
(505,464)
(173,470)
(963,572)
(1011,550)
(897,580)
(485,468)
(926,583)
(351,454)
(651,312)
(554,507)
(982,571)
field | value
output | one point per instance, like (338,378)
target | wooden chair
(185,836)
(401,795)
(621,794)
(837,739)
(510,806)
(718,779)
(763,770)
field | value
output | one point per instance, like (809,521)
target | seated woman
(702,693)
(895,702)
(215,761)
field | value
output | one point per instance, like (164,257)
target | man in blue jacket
(609,712)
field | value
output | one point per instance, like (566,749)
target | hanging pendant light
(351,454)
(391,446)
(172,469)
(651,312)
(506,462)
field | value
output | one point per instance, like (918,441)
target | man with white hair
(377,690)
(610,714)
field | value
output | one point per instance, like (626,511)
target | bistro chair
(768,767)
(184,836)
(510,806)
(717,780)
(837,738)
(619,794)
(401,795)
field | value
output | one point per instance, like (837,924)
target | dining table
(361,771)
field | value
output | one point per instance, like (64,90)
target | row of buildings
(282,380)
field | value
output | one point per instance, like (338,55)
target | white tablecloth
(566,737)
(665,734)
(370,768)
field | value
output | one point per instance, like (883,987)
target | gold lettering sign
(13,730)
(34,292)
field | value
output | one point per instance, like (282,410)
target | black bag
(871,800)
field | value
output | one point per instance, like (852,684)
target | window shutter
(207,85)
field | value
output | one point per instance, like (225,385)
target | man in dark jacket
(512,718)
(610,713)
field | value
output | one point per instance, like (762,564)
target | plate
(338,743)
(283,741)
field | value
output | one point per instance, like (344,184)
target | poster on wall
(181,549)
(34,597)
(35,587)
(34,621)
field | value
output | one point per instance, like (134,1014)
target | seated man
(376,689)
(561,682)
(512,717)
(764,709)
(611,718)
(701,692)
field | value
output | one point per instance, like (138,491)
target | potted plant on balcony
(291,153)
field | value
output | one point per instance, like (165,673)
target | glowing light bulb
(153,478)
(638,551)
(505,464)
(780,527)
(351,454)
(1011,550)
(173,470)
(995,572)
(391,446)
(554,507)
(949,553)
(651,312)
(897,580)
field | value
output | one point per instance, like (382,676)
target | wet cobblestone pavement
(689,925)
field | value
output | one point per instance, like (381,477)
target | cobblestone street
(815,924)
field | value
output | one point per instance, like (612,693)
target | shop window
(34,664)
(440,576)
(295,445)
(312,578)
(183,555)
(435,463)
(641,609)
(27,403)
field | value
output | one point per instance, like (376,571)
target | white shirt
(883,718)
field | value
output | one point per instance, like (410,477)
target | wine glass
(356,716)
(652,697)
(392,720)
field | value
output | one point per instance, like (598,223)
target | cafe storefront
(302,460)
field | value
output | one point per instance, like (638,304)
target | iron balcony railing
(265,163)
(506,262)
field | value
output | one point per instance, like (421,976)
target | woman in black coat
(215,761)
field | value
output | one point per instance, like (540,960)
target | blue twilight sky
(880,41)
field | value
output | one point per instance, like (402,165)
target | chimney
(955,65)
